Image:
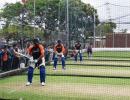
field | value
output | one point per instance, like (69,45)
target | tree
(124,30)
(50,17)
(17,21)
(105,28)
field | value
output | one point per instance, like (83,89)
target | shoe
(64,68)
(54,68)
(28,84)
(81,62)
(43,83)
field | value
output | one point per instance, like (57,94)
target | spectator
(10,57)
(5,59)
(16,57)
(89,51)
(74,52)
(47,55)
(65,52)
(0,59)
(50,49)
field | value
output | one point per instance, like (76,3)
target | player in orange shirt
(36,51)
(59,52)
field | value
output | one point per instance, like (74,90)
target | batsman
(59,53)
(36,52)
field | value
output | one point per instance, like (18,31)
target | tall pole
(94,30)
(126,40)
(113,40)
(59,20)
(22,24)
(22,27)
(34,11)
(100,35)
(67,26)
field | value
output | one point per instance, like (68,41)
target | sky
(2,2)
(113,11)
(104,11)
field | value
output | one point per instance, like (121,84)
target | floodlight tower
(34,11)
(67,23)
(108,11)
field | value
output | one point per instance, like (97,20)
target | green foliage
(112,54)
(105,28)
(38,93)
(11,10)
(52,13)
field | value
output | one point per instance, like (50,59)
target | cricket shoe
(43,83)
(63,68)
(28,84)
(54,68)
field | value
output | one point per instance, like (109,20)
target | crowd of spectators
(9,59)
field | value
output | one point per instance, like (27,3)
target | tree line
(49,19)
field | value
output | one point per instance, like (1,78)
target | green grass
(57,80)
(68,79)
(73,83)
(79,70)
(119,63)
(112,54)
(31,96)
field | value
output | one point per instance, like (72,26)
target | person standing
(5,58)
(16,57)
(78,50)
(36,51)
(59,52)
(89,51)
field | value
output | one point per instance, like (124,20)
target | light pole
(94,30)
(113,43)
(67,24)
(22,27)
(34,12)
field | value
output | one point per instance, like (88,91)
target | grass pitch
(77,82)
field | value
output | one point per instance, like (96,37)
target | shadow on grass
(8,99)
(95,76)
(110,56)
